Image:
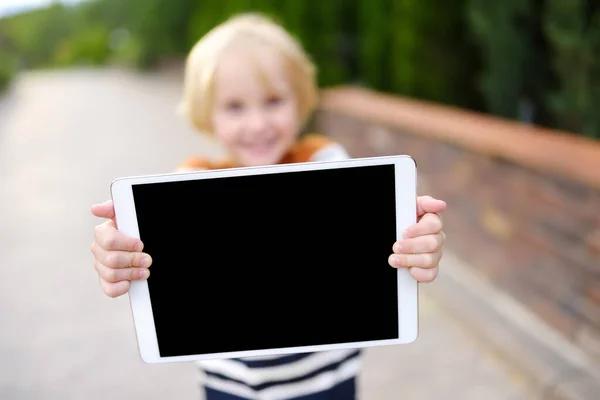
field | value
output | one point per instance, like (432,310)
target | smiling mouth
(259,145)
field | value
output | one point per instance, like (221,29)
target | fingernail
(143,274)
(139,246)
(145,261)
(398,248)
(405,234)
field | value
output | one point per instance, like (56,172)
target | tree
(573,29)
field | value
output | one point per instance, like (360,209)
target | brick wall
(524,202)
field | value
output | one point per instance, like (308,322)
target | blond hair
(249,28)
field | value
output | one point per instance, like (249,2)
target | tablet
(271,260)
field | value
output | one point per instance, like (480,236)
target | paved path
(63,138)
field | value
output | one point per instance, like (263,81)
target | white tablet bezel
(406,193)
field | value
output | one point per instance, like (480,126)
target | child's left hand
(422,245)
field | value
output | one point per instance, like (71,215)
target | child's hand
(118,259)
(421,248)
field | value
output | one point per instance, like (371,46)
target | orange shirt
(310,147)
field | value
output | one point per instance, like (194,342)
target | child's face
(257,123)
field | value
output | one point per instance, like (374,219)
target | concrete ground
(63,138)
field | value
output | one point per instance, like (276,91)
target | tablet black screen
(270,261)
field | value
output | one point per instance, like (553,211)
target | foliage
(533,60)
(502,31)
(7,72)
(418,48)
(573,28)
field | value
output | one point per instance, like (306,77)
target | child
(250,85)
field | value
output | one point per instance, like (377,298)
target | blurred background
(497,101)
(533,60)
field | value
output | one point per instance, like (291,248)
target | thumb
(427,204)
(104,210)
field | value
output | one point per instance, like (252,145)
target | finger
(427,204)
(430,224)
(121,259)
(421,244)
(104,210)
(114,289)
(424,275)
(109,238)
(427,260)
(112,275)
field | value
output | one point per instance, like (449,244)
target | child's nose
(257,121)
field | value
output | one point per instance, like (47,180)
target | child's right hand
(118,259)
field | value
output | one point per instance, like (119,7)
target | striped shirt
(327,375)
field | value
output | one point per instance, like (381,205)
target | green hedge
(7,73)
(534,60)
(540,60)
(573,30)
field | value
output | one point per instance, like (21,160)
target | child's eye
(274,100)
(234,106)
